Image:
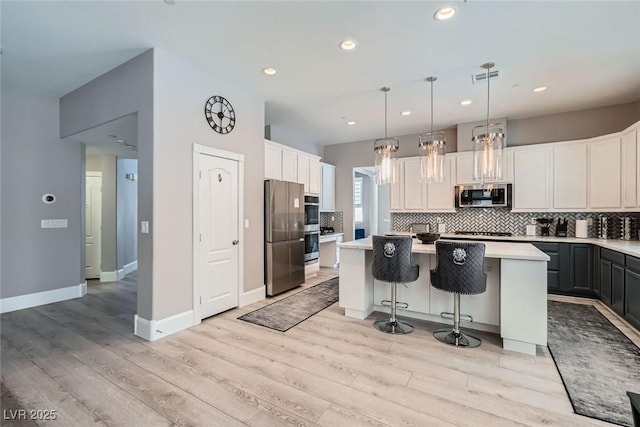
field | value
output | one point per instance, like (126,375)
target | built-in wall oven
(311,229)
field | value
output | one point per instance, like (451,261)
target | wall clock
(220,115)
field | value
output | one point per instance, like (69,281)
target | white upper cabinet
(415,193)
(272,161)
(464,168)
(630,170)
(410,194)
(605,174)
(288,164)
(440,195)
(327,187)
(570,176)
(532,178)
(303,171)
(314,175)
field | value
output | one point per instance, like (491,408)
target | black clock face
(220,114)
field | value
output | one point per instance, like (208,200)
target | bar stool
(392,264)
(460,270)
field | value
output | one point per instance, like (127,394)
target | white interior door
(218,229)
(93,220)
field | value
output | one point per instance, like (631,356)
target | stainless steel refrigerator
(284,235)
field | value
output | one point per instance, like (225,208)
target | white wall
(180,92)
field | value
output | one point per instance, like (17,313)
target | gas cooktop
(485,233)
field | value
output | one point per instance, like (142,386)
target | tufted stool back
(459,267)
(392,259)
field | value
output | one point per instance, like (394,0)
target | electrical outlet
(589,221)
(333,218)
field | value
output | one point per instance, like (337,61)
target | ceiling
(586,53)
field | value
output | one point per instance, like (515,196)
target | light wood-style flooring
(81,359)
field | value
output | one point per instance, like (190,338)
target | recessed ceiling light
(120,141)
(348,44)
(465,102)
(540,89)
(406,113)
(269,71)
(444,13)
(351,123)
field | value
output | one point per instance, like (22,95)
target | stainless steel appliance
(311,229)
(311,213)
(485,233)
(483,196)
(284,235)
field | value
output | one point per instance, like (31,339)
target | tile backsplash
(332,219)
(499,219)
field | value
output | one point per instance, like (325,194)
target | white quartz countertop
(504,250)
(628,247)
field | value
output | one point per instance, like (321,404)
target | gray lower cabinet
(612,279)
(570,268)
(632,291)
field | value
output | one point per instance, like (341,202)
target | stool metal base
(389,327)
(458,339)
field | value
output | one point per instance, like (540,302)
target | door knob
(235,242)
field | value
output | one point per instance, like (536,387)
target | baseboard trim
(41,298)
(152,330)
(252,296)
(109,276)
(132,266)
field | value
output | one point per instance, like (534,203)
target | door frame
(92,174)
(199,150)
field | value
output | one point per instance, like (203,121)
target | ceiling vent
(482,77)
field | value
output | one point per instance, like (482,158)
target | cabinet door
(327,194)
(415,192)
(272,162)
(314,176)
(464,168)
(289,166)
(605,281)
(396,189)
(617,288)
(303,171)
(629,170)
(632,298)
(581,268)
(596,271)
(531,183)
(440,196)
(570,176)
(604,173)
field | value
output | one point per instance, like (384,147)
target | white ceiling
(586,53)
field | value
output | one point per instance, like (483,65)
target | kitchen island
(514,304)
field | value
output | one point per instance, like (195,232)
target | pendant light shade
(488,142)
(433,149)
(385,152)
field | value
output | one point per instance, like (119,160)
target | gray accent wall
(127,89)
(292,138)
(34,162)
(126,212)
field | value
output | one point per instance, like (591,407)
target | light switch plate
(44,223)
(144,227)
(246,223)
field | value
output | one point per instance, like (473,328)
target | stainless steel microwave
(483,196)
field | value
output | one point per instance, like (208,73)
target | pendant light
(488,142)
(433,148)
(385,152)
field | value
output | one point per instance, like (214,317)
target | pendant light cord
(431,105)
(385,114)
(488,83)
